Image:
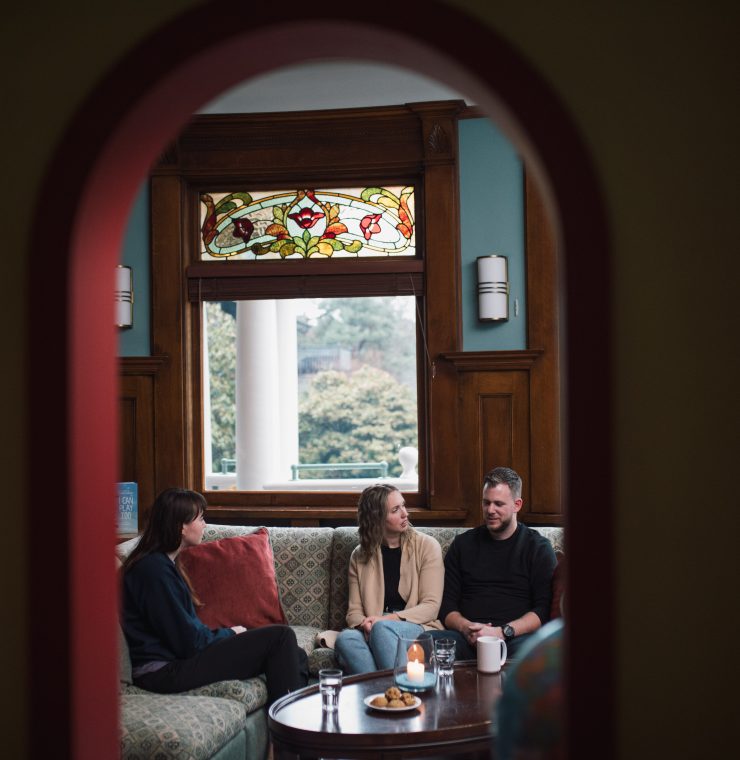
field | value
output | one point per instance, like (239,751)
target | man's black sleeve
(543,567)
(453,581)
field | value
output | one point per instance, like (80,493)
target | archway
(108,147)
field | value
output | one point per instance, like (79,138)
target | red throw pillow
(234,578)
(558,586)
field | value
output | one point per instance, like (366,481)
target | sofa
(228,720)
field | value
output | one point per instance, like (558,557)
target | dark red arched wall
(82,208)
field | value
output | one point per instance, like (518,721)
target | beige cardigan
(421,583)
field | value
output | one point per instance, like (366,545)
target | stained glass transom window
(346,222)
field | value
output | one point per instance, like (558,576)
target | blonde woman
(396,579)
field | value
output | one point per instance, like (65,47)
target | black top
(159,618)
(490,581)
(392,601)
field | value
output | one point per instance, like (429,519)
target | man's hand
(473,631)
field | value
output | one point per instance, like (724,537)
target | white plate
(369,699)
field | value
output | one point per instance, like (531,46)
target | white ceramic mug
(491,654)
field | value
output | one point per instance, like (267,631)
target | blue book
(128,508)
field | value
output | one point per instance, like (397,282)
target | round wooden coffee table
(454,719)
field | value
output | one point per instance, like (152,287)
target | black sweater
(159,618)
(490,581)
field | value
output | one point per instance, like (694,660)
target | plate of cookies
(392,700)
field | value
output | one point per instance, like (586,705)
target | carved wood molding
(141,365)
(309,286)
(492,361)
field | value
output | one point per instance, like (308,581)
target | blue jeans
(355,655)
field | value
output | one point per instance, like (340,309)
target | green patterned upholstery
(554,536)
(179,727)
(251,694)
(303,571)
(343,542)
(444,536)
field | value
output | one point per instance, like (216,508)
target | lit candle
(415,666)
(415,671)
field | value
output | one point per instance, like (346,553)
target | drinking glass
(444,654)
(330,684)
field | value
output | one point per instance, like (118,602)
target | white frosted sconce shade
(124,297)
(493,288)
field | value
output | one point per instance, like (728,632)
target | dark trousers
(271,650)
(463,649)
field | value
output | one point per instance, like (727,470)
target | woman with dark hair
(171,649)
(396,578)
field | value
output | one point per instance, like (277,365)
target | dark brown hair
(172,509)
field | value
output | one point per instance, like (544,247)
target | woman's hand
(238,628)
(367,624)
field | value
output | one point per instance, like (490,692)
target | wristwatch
(508,632)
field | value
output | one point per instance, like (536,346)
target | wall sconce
(124,297)
(493,288)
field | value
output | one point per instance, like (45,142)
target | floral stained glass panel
(346,222)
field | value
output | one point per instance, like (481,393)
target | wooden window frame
(413,144)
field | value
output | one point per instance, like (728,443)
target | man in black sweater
(498,577)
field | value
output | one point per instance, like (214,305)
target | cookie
(393,692)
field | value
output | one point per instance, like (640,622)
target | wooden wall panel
(127,452)
(137,379)
(499,420)
(494,430)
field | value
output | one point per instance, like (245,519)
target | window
(310,394)
(303,217)
(315,394)
(336,223)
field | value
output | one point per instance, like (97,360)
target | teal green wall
(136,341)
(491,221)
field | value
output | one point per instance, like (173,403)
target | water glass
(330,684)
(444,654)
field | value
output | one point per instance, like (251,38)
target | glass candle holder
(414,667)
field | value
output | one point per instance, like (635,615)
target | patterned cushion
(124,659)
(554,536)
(302,568)
(445,536)
(321,657)
(250,694)
(164,726)
(344,541)
(306,637)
